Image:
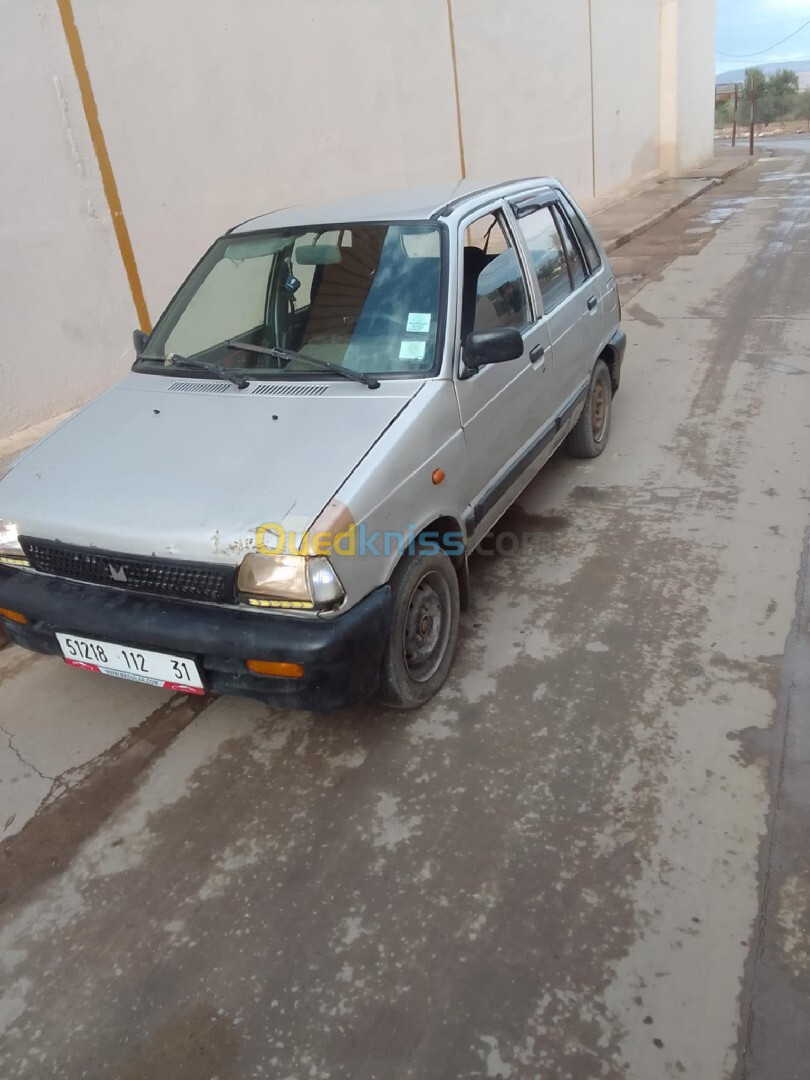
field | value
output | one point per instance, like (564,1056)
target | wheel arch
(613,354)
(451,536)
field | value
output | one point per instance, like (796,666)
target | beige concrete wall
(234,108)
(695,80)
(627,92)
(525,88)
(65,309)
(215,112)
(687,79)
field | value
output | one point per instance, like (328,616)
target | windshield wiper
(175,360)
(288,354)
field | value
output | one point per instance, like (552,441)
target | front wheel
(424,630)
(590,435)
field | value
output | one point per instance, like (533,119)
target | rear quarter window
(584,236)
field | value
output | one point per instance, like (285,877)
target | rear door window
(547,256)
(579,272)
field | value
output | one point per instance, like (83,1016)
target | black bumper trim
(341,656)
(618,343)
(618,346)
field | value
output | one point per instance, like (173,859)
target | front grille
(160,577)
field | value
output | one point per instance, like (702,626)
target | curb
(721,178)
(745,164)
(656,219)
(3,639)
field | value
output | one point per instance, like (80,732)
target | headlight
(293,582)
(11,552)
(324,584)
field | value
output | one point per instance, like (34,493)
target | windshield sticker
(418,323)
(412,350)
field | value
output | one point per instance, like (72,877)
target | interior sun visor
(317,254)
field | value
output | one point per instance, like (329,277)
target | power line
(748,56)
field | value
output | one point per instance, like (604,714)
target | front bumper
(341,656)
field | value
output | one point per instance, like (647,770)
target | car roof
(407,204)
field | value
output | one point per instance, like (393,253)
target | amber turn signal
(15,616)
(273,667)
(438,476)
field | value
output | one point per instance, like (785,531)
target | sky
(749,26)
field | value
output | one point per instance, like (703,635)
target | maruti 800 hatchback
(334,410)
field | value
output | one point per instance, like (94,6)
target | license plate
(137,665)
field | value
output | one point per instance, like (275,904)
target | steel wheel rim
(427,627)
(599,410)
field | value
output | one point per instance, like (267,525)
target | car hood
(182,468)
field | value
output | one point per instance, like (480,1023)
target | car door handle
(537,353)
(593,303)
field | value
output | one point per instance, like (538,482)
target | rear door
(585,288)
(600,272)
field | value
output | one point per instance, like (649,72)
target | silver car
(334,410)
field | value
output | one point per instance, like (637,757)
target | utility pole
(752,92)
(736,111)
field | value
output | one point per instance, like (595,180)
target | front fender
(393,495)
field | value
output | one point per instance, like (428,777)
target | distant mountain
(738,75)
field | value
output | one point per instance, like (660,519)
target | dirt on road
(586,858)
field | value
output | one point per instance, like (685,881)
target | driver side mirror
(492,347)
(139,340)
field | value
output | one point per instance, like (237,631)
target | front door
(503,406)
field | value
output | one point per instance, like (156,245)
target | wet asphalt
(588,857)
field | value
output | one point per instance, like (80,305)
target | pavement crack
(83,798)
(23,760)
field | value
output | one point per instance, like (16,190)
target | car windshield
(363,297)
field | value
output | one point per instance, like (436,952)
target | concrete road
(780,144)
(587,858)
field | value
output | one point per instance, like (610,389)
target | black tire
(589,438)
(424,630)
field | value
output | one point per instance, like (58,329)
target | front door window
(494,292)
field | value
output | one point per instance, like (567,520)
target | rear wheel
(590,436)
(424,630)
